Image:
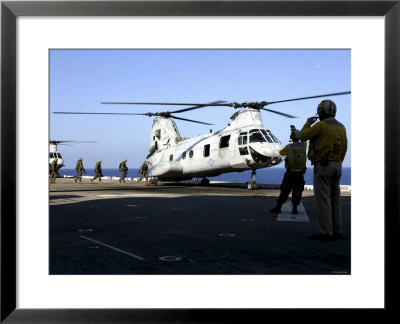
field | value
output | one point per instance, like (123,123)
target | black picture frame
(10,10)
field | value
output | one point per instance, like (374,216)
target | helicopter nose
(267,151)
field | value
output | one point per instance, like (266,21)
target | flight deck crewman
(79,168)
(143,171)
(327,149)
(123,169)
(98,171)
(295,164)
(54,171)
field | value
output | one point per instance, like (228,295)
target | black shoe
(294,210)
(322,237)
(277,210)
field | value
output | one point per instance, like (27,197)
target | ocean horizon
(272,175)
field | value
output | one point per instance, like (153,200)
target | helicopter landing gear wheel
(252,185)
(204,182)
(153,182)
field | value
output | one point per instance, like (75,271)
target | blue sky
(81,79)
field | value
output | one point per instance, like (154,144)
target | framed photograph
(49,51)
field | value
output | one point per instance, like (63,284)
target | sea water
(272,175)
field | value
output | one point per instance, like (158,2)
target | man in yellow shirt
(327,149)
(295,164)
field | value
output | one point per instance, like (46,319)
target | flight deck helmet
(294,133)
(328,106)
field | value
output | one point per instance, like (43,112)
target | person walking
(98,171)
(327,149)
(295,164)
(79,168)
(54,171)
(143,171)
(124,170)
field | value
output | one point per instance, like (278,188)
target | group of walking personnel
(79,168)
(326,152)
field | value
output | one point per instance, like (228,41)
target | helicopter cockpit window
(59,155)
(224,141)
(256,137)
(51,155)
(273,137)
(269,139)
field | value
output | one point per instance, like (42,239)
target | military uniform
(327,149)
(79,168)
(54,171)
(143,171)
(123,169)
(293,180)
(98,171)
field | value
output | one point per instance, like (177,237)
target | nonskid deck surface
(113,228)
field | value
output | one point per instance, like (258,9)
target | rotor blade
(165,104)
(94,113)
(72,142)
(304,98)
(57,142)
(145,114)
(82,141)
(198,106)
(190,120)
(279,113)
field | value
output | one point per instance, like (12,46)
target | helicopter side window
(59,155)
(224,141)
(171,157)
(51,155)
(191,153)
(243,150)
(256,137)
(184,155)
(206,150)
(267,136)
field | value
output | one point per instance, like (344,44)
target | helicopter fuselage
(243,145)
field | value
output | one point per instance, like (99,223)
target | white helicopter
(245,144)
(53,153)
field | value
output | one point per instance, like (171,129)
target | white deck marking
(144,195)
(113,248)
(287,216)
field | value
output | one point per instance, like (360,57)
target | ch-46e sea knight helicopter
(245,144)
(53,153)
